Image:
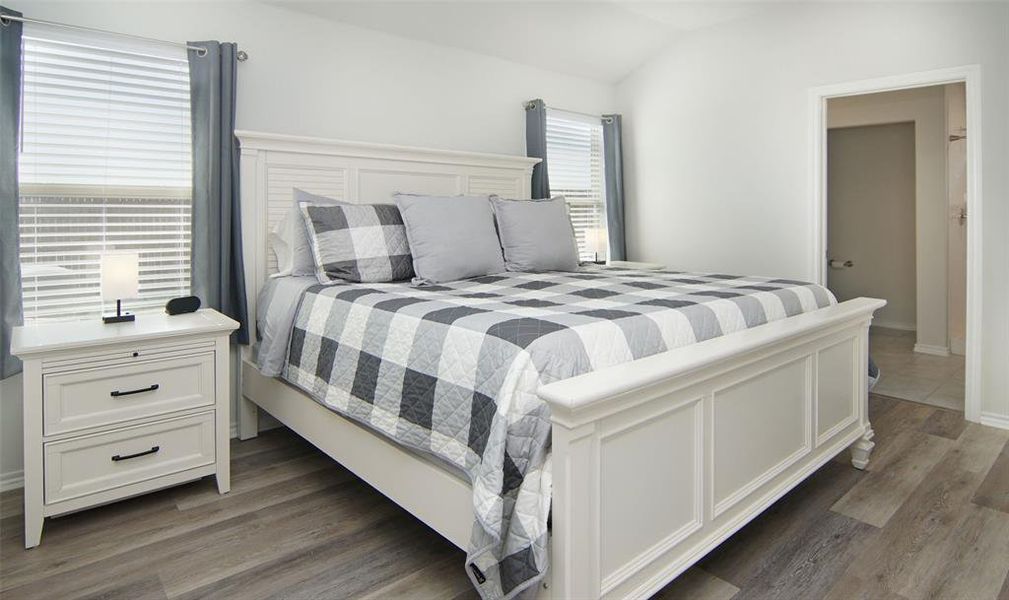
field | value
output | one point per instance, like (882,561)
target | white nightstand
(112,411)
(644,266)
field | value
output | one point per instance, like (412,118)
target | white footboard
(659,460)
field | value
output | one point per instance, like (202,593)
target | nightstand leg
(223,479)
(33,527)
(223,376)
(34,473)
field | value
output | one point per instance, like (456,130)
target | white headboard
(273,164)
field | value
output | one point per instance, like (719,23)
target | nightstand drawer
(96,463)
(81,399)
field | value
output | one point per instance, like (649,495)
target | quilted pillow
(363,243)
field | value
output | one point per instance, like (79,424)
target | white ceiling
(601,40)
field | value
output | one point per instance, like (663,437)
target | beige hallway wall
(926,107)
(956,183)
(871,217)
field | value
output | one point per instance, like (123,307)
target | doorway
(892,221)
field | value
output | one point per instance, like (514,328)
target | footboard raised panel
(655,464)
(837,397)
(671,494)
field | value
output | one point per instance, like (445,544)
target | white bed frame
(655,462)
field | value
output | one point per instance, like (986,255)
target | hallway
(904,374)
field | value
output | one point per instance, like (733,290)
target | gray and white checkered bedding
(357,242)
(453,370)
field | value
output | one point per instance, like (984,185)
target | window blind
(575,170)
(105,165)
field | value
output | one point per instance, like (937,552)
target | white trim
(931,349)
(278,142)
(995,420)
(971,75)
(12,480)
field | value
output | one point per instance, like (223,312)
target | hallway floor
(907,375)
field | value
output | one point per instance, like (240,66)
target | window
(105,165)
(575,170)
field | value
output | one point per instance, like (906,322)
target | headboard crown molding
(259,140)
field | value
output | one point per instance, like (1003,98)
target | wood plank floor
(928,519)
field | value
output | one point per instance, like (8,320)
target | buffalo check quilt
(453,370)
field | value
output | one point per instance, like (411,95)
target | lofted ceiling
(600,40)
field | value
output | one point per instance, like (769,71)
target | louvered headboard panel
(273,165)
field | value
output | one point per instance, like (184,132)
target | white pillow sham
(289,238)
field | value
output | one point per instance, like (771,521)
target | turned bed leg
(862,448)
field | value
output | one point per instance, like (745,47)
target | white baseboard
(958,346)
(12,480)
(995,420)
(894,325)
(930,349)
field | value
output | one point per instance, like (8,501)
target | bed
(730,389)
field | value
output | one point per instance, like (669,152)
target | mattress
(452,370)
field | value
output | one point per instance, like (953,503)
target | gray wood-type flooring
(928,519)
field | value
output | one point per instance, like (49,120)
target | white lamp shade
(595,241)
(120,275)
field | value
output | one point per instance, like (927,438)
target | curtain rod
(200,51)
(607,118)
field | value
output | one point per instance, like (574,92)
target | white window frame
(51,275)
(578,204)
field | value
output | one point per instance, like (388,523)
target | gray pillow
(289,238)
(536,235)
(451,237)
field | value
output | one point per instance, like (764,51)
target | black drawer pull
(117,393)
(118,458)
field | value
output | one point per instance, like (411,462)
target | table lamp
(120,279)
(595,242)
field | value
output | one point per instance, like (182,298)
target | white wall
(308,76)
(871,218)
(717,141)
(926,107)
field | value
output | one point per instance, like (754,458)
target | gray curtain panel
(10,122)
(614,168)
(536,145)
(218,276)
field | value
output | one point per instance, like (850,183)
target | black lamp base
(119,317)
